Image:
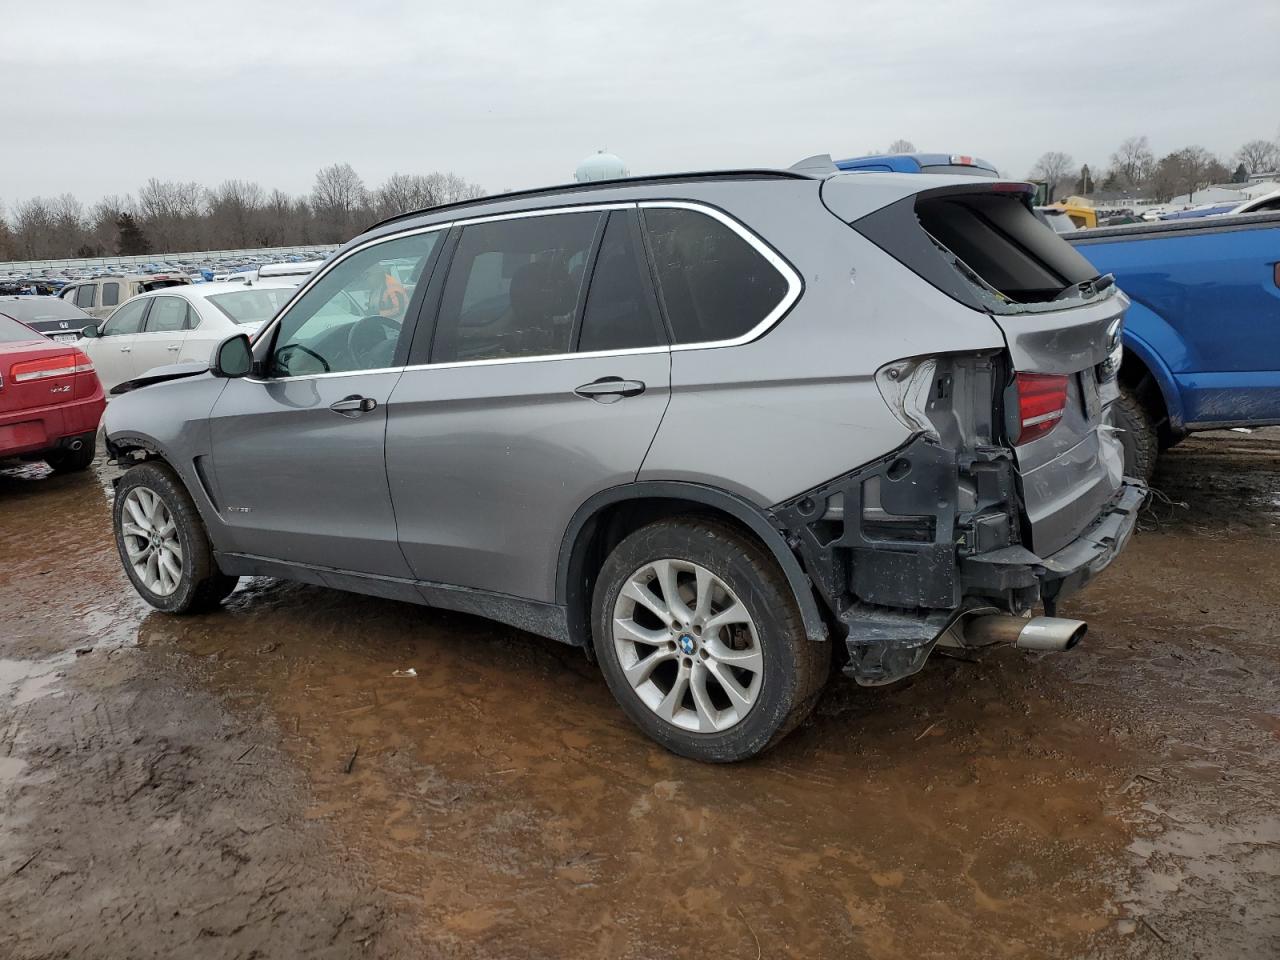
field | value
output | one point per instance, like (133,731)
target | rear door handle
(610,389)
(354,405)
(174,346)
(126,349)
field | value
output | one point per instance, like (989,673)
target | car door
(112,350)
(544,382)
(160,340)
(298,446)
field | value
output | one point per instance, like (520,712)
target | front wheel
(700,640)
(163,544)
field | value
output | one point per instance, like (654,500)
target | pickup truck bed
(1202,336)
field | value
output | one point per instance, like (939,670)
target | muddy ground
(256,782)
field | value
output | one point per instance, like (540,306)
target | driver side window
(352,318)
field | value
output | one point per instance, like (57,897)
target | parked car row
(705,425)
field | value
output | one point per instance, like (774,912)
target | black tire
(64,460)
(201,585)
(1140,438)
(795,668)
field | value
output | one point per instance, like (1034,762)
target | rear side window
(998,237)
(619,314)
(110,294)
(514,287)
(85,295)
(168,315)
(714,284)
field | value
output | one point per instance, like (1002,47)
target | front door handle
(174,346)
(610,389)
(126,349)
(354,405)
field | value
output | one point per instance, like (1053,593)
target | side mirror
(90,332)
(233,358)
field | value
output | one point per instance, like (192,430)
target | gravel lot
(256,782)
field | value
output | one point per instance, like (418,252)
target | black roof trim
(602,185)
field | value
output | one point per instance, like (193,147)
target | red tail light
(46,367)
(1042,400)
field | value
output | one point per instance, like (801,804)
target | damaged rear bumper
(886,645)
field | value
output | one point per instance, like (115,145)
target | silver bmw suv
(721,430)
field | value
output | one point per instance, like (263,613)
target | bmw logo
(686,644)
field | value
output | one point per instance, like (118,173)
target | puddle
(22,681)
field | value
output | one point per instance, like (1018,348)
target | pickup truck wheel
(163,543)
(64,460)
(1139,439)
(700,641)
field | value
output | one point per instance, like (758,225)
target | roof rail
(792,174)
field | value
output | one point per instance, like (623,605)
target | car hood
(172,371)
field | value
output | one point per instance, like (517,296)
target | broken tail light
(1042,401)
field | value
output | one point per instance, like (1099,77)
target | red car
(50,399)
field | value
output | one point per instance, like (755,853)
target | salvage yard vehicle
(179,325)
(57,319)
(101,295)
(50,399)
(1202,338)
(700,424)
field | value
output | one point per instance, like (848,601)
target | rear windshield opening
(998,238)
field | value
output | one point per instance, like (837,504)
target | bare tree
(1052,167)
(1185,171)
(404,192)
(171,214)
(901,146)
(1259,156)
(235,213)
(1133,162)
(33,229)
(337,197)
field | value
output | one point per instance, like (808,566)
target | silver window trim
(795,287)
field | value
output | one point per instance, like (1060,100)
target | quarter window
(353,316)
(619,313)
(85,295)
(110,294)
(128,319)
(168,315)
(714,284)
(514,287)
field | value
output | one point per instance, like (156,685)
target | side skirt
(545,619)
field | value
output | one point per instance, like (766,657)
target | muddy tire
(71,461)
(1140,438)
(163,544)
(725,671)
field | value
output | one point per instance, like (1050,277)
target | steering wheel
(282,362)
(368,334)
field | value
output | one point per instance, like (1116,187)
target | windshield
(252,305)
(39,309)
(11,331)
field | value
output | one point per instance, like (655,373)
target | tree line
(1134,169)
(168,216)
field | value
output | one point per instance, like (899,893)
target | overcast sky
(101,95)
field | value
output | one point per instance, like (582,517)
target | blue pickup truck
(1202,336)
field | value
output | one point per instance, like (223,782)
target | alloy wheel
(688,646)
(151,541)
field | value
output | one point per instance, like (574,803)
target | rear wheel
(66,460)
(700,640)
(1140,439)
(163,544)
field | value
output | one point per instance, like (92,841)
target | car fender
(754,518)
(1151,339)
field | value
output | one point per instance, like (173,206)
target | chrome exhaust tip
(1054,634)
(75,445)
